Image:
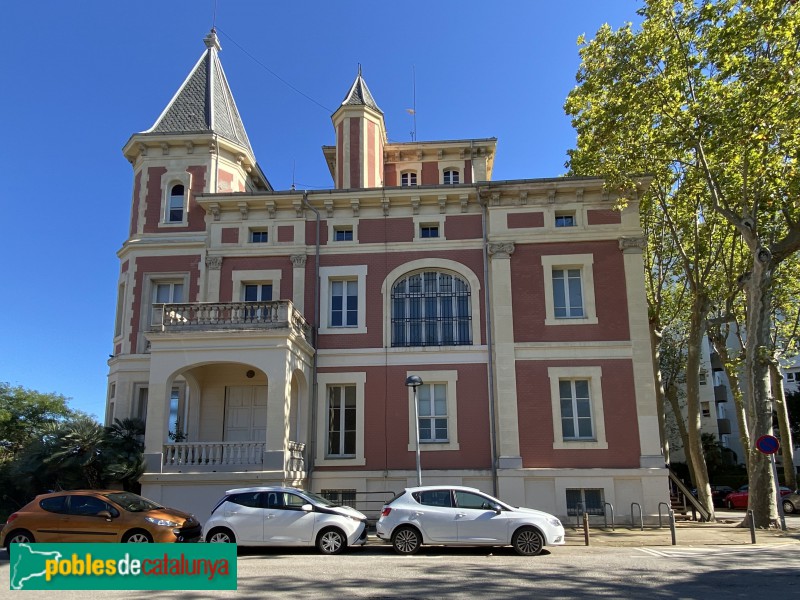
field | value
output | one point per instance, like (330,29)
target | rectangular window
(257,292)
(341,497)
(567,294)
(706,409)
(165,293)
(581,500)
(564,219)
(429,230)
(344,303)
(177,431)
(343,234)
(451,177)
(341,420)
(576,409)
(140,411)
(259,237)
(407,179)
(120,310)
(790,377)
(432,399)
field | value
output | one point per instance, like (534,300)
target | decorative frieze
(214,209)
(142,149)
(523,198)
(164,148)
(270,206)
(189,147)
(495,198)
(329,207)
(415,205)
(214,262)
(464,199)
(442,205)
(243,210)
(298,207)
(501,249)
(355,204)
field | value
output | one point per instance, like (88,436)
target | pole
(416,431)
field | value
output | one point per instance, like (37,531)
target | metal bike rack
(605,516)
(580,509)
(669,508)
(641,518)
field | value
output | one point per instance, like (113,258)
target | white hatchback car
(278,516)
(462,516)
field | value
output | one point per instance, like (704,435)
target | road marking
(710,550)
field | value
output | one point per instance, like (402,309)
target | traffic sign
(768,444)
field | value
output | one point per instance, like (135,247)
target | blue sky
(79,78)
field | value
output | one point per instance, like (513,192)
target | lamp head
(413,381)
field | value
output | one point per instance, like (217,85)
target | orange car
(98,516)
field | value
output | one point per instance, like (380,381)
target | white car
(463,516)
(278,516)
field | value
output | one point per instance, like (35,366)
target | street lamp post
(414,381)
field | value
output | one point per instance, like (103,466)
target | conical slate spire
(359,94)
(204,102)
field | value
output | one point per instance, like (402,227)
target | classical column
(644,383)
(212,278)
(299,281)
(505,380)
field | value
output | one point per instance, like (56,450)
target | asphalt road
(728,572)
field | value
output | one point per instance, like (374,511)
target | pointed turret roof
(359,94)
(204,102)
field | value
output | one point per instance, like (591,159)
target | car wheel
(221,536)
(527,541)
(788,507)
(20,536)
(331,541)
(406,540)
(137,536)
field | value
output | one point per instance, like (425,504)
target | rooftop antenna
(294,162)
(413,111)
(214,17)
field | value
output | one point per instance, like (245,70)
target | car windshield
(321,500)
(132,502)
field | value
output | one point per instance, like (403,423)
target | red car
(738,499)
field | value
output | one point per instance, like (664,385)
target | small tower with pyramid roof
(197,145)
(360,139)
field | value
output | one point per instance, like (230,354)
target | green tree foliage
(706,96)
(57,448)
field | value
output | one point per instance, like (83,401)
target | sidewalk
(722,532)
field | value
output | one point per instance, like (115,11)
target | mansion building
(265,336)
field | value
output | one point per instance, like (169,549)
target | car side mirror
(307,508)
(496,508)
(105,514)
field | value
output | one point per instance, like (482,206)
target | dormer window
(408,179)
(176,204)
(451,176)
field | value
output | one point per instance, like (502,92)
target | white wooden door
(246,413)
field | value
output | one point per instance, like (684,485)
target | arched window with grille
(431,308)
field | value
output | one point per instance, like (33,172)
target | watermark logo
(123,567)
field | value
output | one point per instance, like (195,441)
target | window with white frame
(567,294)
(577,404)
(565,219)
(451,176)
(431,308)
(408,178)
(432,399)
(340,399)
(343,295)
(165,292)
(428,230)
(569,290)
(790,376)
(576,409)
(437,409)
(120,310)
(343,233)
(176,204)
(259,236)
(343,303)
(257,293)
(341,421)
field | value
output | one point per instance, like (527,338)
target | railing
(213,453)
(296,461)
(203,316)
